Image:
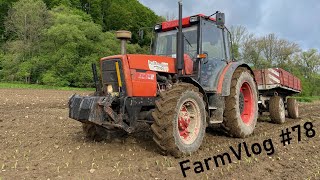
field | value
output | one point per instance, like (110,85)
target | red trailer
(274,85)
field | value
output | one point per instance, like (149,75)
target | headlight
(157,27)
(194,19)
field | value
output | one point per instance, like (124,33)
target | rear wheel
(292,107)
(277,110)
(241,109)
(179,120)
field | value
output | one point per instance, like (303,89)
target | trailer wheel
(179,120)
(99,133)
(277,110)
(241,108)
(292,107)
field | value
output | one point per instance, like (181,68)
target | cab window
(166,42)
(228,44)
(212,41)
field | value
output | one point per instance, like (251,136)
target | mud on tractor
(189,83)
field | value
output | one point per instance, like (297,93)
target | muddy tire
(179,120)
(241,108)
(292,107)
(99,133)
(277,110)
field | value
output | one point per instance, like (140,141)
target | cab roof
(170,25)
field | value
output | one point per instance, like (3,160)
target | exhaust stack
(180,43)
(124,36)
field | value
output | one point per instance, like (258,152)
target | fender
(226,77)
(196,83)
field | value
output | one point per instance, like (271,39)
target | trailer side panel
(276,78)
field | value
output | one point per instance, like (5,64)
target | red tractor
(189,83)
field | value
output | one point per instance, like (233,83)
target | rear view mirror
(220,19)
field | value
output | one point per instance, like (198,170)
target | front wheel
(179,120)
(241,108)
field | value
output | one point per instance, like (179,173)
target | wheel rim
(189,121)
(246,103)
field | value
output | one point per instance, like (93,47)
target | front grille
(109,73)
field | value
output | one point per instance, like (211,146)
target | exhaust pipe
(180,43)
(124,36)
(96,79)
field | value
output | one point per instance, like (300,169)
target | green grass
(307,98)
(37,86)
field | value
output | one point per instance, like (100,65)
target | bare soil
(39,141)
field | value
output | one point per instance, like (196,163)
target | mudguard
(196,83)
(226,77)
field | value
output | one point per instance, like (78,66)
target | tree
(4,7)
(72,3)
(72,44)
(24,25)
(311,60)
(269,47)
(26,20)
(252,52)
(306,66)
(286,51)
(238,34)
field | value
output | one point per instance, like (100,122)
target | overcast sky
(295,20)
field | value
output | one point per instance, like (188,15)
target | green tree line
(55,42)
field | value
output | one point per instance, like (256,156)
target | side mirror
(220,19)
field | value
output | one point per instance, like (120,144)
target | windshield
(166,42)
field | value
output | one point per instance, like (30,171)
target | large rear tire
(292,107)
(277,110)
(179,120)
(241,108)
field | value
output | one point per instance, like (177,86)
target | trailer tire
(292,107)
(179,120)
(241,108)
(99,133)
(277,110)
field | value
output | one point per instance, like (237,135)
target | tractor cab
(206,42)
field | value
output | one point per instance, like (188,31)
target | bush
(49,78)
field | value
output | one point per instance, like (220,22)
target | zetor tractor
(189,83)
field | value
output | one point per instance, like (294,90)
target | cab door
(213,45)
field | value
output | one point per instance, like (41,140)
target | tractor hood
(152,63)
